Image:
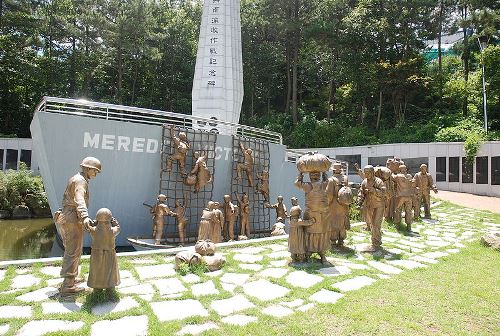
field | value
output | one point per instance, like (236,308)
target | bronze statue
(230,214)
(216,236)
(296,237)
(361,205)
(180,216)
(246,166)
(393,164)
(339,212)
(72,219)
(278,228)
(181,147)
(263,185)
(206,223)
(424,183)
(372,195)
(404,196)
(279,206)
(158,212)
(317,236)
(244,206)
(103,270)
(201,171)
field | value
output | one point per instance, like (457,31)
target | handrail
(147,116)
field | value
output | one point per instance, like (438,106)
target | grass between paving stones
(451,297)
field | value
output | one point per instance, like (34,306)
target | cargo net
(260,220)
(172,182)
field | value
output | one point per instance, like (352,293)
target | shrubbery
(21,186)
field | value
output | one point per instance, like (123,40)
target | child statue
(244,205)
(103,273)
(296,237)
(159,211)
(218,223)
(280,207)
(180,216)
(263,185)
(230,214)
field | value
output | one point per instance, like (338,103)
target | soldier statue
(181,147)
(424,183)
(72,219)
(246,165)
(404,197)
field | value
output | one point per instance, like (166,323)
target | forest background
(324,73)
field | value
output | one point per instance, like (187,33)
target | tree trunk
(331,100)
(465,57)
(295,61)
(440,56)
(72,75)
(377,127)
(86,69)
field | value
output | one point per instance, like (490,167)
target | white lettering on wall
(89,141)
(123,143)
(152,146)
(138,144)
(108,142)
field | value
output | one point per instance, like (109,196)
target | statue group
(384,191)
(73,220)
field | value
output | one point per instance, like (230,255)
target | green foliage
(472,145)
(460,131)
(21,186)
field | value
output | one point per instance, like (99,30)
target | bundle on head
(313,162)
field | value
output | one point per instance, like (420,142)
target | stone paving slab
(277,247)
(4,328)
(128,282)
(169,286)
(354,283)
(277,311)
(303,279)
(61,307)
(279,255)
(125,326)
(251,267)
(178,309)
(114,307)
(248,258)
(326,296)
(24,281)
(292,304)
(205,288)
(274,272)
(306,307)
(250,250)
(408,264)
(39,294)
(38,328)
(197,329)
(424,259)
(191,278)
(265,290)
(279,263)
(155,271)
(53,271)
(235,278)
(335,270)
(239,320)
(232,305)
(143,289)
(11,312)
(434,255)
(388,269)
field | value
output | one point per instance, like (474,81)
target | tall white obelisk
(218,77)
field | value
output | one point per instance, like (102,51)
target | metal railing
(105,111)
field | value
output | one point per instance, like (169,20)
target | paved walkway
(256,284)
(471,201)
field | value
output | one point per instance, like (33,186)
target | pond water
(24,239)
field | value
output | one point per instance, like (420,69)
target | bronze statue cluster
(326,215)
(72,220)
(387,191)
(200,175)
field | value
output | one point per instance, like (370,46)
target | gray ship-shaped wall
(130,156)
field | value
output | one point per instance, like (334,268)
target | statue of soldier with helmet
(72,219)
